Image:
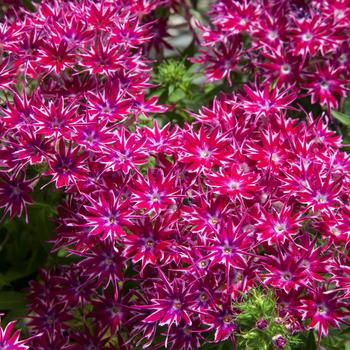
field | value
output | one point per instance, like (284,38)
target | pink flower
(56,119)
(67,165)
(266,102)
(10,340)
(156,193)
(235,182)
(104,58)
(202,152)
(171,304)
(106,215)
(326,85)
(149,243)
(15,194)
(278,226)
(126,153)
(324,308)
(55,57)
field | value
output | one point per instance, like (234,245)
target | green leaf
(177,95)
(311,341)
(28,4)
(343,118)
(10,300)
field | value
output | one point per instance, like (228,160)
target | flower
(266,102)
(15,194)
(156,193)
(324,308)
(261,324)
(10,340)
(171,304)
(183,229)
(279,341)
(202,152)
(106,214)
(326,85)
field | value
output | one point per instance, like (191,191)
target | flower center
(243,21)
(227,318)
(335,231)
(279,228)
(238,277)
(324,85)
(213,220)
(203,263)
(112,219)
(286,68)
(155,197)
(339,14)
(109,261)
(203,297)
(16,191)
(274,157)
(227,250)
(343,58)
(204,153)
(321,198)
(286,276)
(234,185)
(272,35)
(150,243)
(321,309)
(307,36)
(177,304)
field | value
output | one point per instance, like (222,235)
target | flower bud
(279,341)
(261,324)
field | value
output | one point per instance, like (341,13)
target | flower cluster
(70,76)
(169,228)
(226,204)
(298,44)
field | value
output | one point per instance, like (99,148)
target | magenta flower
(324,308)
(171,213)
(149,243)
(326,85)
(278,226)
(320,190)
(312,34)
(272,152)
(206,214)
(9,340)
(15,194)
(285,272)
(56,119)
(172,304)
(222,60)
(106,215)
(202,152)
(55,57)
(222,321)
(110,103)
(104,262)
(161,140)
(156,193)
(67,165)
(103,58)
(236,183)
(127,153)
(230,247)
(266,102)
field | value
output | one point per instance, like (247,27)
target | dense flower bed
(175,227)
